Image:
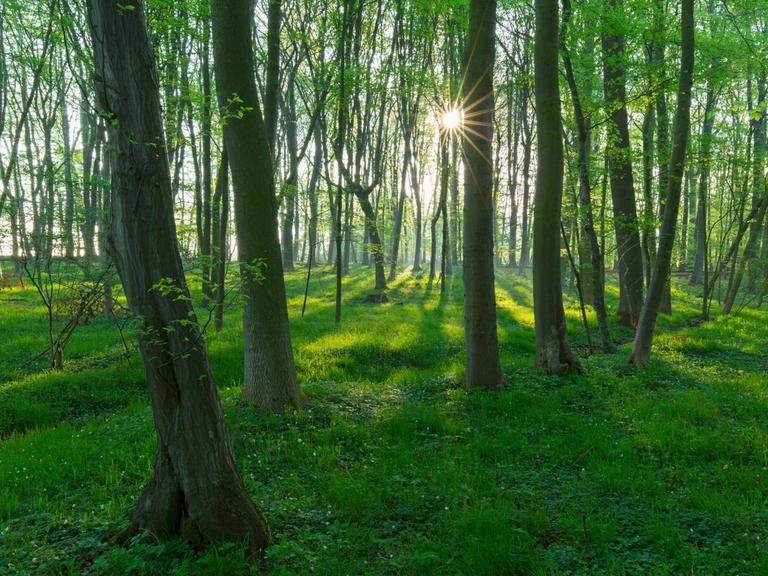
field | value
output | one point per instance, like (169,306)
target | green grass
(394,468)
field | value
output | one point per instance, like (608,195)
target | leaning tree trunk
(585,190)
(620,162)
(269,378)
(641,352)
(552,351)
(480,337)
(364,198)
(195,489)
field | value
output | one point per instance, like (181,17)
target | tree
(585,189)
(641,351)
(480,337)
(620,163)
(202,499)
(269,378)
(552,351)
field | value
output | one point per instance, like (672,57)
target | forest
(377,287)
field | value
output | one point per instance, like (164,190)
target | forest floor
(394,468)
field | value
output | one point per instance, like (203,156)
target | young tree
(641,352)
(480,338)
(552,351)
(200,498)
(269,378)
(585,189)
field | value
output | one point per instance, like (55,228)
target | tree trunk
(290,186)
(200,498)
(481,340)
(220,247)
(705,149)
(527,147)
(641,351)
(552,351)
(363,197)
(620,162)
(272,88)
(758,189)
(269,377)
(207,224)
(585,192)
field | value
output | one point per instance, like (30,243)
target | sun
(452,119)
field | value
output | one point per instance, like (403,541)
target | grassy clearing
(394,468)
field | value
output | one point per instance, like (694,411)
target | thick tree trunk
(195,489)
(641,351)
(552,351)
(480,337)
(269,378)
(620,162)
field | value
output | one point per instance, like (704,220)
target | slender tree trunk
(513,125)
(220,247)
(527,147)
(290,186)
(272,88)
(363,197)
(69,184)
(641,351)
(207,224)
(585,191)
(705,150)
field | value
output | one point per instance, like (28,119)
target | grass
(394,468)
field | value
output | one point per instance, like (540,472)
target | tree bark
(195,489)
(641,351)
(220,245)
(705,161)
(269,377)
(481,341)
(552,351)
(620,162)
(585,191)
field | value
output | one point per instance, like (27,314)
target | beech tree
(199,498)
(641,351)
(552,351)
(269,376)
(620,163)
(480,337)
